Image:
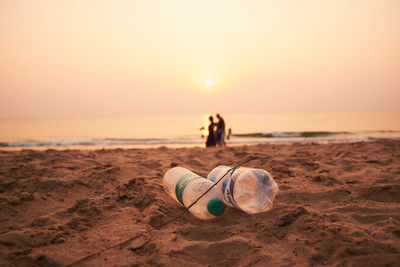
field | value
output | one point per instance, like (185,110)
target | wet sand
(338,204)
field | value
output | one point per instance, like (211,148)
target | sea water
(184,130)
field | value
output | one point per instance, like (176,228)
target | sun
(208,82)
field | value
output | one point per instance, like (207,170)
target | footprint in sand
(150,164)
(203,234)
(381,193)
(330,196)
(232,252)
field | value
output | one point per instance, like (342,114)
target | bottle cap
(216,207)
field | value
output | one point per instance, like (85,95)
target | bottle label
(182,183)
(228,186)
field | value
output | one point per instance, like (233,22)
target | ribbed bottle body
(248,189)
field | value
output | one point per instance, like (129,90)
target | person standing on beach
(220,131)
(211,133)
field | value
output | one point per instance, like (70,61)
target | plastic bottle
(185,187)
(251,190)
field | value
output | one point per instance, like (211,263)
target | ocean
(184,130)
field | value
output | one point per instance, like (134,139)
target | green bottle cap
(216,207)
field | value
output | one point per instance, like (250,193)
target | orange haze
(81,57)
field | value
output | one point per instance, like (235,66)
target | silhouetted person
(229,133)
(211,133)
(220,131)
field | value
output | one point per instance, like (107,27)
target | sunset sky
(97,58)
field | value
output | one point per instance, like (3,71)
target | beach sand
(338,204)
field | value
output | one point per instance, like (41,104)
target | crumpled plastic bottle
(248,189)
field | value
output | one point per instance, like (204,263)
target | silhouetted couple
(216,132)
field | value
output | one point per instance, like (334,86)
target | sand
(338,204)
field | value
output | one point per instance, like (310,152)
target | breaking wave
(290,134)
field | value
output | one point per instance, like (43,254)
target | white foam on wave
(98,143)
(284,135)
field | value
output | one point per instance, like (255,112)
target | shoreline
(199,144)
(338,204)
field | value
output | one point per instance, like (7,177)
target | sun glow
(208,82)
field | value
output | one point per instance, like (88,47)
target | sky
(111,58)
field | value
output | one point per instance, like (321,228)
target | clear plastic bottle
(251,190)
(185,187)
